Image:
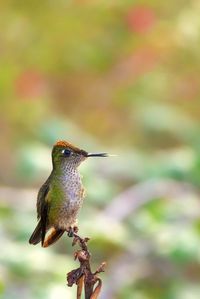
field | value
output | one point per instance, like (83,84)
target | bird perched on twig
(61,196)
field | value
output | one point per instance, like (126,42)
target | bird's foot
(72,231)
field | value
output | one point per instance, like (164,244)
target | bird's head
(64,153)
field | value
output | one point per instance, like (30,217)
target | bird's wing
(43,192)
(43,207)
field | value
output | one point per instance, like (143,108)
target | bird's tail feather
(36,235)
(51,238)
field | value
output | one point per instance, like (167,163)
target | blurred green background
(119,76)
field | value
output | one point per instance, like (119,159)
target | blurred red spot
(30,84)
(141,19)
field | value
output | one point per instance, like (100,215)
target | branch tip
(83,275)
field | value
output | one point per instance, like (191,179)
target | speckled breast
(73,195)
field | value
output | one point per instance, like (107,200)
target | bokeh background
(119,76)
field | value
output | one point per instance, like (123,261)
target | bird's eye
(66,152)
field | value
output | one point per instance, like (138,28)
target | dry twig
(83,275)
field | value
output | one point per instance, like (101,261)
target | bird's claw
(72,231)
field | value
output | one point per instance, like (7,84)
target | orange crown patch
(63,143)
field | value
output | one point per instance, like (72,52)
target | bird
(61,196)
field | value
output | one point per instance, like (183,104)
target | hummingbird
(61,196)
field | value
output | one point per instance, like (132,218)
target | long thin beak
(97,155)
